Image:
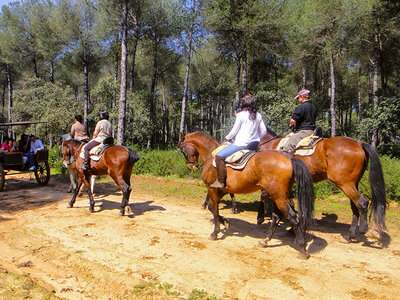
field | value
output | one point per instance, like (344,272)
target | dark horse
(270,171)
(116,161)
(343,161)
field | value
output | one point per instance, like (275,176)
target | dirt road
(162,250)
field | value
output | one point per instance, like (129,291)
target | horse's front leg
(72,179)
(76,191)
(214,208)
(86,182)
(234,204)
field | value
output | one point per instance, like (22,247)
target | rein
(267,141)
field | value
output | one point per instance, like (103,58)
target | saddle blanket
(305,147)
(96,152)
(237,160)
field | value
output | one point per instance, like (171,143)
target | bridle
(193,163)
(267,141)
(71,158)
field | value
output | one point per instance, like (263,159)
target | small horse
(343,161)
(116,161)
(270,171)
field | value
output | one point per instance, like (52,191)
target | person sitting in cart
(35,146)
(24,146)
(7,145)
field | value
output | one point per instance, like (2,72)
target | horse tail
(305,192)
(378,202)
(133,157)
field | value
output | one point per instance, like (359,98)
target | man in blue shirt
(36,145)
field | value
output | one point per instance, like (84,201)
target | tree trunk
(237,84)
(375,100)
(132,72)
(9,85)
(186,83)
(333,90)
(86,104)
(35,68)
(244,74)
(124,54)
(52,70)
(304,72)
(359,109)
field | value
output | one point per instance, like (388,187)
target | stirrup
(217,184)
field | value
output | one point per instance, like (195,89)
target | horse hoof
(91,209)
(263,243)
(69,191)
(260,221)
(304,254)
(70,205)
(213,236)
(227,224)
(373,234)
(363,229)
(128,210)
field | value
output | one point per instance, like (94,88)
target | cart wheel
(2,177)
(42,173)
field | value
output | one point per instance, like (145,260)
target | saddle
(306,146)
(237,160)
(96,152)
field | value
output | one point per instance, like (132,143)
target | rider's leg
(290,145)
(88,147)
(220,164)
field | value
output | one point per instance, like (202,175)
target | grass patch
(21,287)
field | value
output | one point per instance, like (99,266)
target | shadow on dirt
(241,228)
(138,208)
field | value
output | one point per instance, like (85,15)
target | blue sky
(2,2)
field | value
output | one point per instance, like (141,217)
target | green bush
(55,160)
(163,163)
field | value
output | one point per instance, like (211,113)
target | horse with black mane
(270,171)
(116,161)
(343,161)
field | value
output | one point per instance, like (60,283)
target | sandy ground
(79,255)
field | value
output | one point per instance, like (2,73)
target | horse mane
(200,133)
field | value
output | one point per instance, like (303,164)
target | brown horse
(343,161)
(270,171)
(116,161)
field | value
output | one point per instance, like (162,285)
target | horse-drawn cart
(12,163)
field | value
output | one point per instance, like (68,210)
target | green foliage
(38,100)
(162,163)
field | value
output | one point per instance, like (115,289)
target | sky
(2,2)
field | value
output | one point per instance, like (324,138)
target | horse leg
(234,204)
(287,210)
(125,188)
(265,208)
(72,179)
(86,182)
(275,218)
(213,206)
(76,191)
(205,204)
(359,207)
(92,181)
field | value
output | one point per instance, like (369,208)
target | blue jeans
(229,150)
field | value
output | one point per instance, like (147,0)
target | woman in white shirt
(249,127)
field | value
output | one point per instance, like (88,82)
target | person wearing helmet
(102,131)
(302,121)
(249,127)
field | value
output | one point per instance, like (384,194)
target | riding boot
(86,164)
(221,172)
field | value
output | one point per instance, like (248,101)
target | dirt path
(163,249)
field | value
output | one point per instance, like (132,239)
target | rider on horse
(303,120)
(102,131)
(249,127)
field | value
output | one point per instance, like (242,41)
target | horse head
(190,153)
(68,151)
